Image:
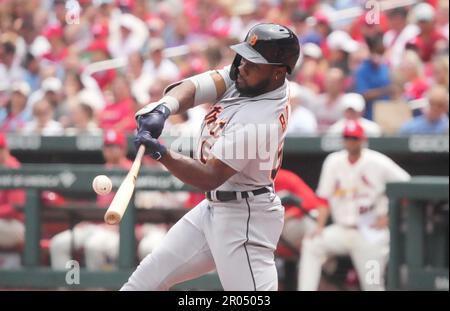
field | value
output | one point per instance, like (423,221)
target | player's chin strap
(234,67)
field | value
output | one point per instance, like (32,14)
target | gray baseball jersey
(246,133)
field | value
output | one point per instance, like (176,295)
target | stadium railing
(419,233)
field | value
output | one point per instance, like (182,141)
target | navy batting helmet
(271,44)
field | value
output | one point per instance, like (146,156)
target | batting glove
(153,121)
(152,145)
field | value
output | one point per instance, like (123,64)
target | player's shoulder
(265,108)
(337,157)
(375,155)
(334,160)
(224,74)
(257,113)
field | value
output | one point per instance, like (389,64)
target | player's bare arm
(322,218)
(185,92)
(206,177)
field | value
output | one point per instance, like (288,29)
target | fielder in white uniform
(236,229)
(353,182)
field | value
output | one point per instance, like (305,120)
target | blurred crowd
(73,67)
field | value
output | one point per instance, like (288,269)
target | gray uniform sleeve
(225,74)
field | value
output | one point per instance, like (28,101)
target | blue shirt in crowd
(421,125)
(369,76)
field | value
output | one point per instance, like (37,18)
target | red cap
(112,137)
(354,129)
(126,3)
(3,142)
(53,31)
(321,18)
(100,30)
(98,45)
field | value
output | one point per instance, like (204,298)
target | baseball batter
(353,182)
(236,229)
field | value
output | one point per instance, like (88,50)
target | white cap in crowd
(156,44)
(341,40)
(312,50)
(423,12)
(21,87)
(51,84)
(352,101)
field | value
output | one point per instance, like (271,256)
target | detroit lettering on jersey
(246,133)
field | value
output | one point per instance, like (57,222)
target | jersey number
(274,172)
(283,122)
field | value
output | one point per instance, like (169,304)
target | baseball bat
(123,195)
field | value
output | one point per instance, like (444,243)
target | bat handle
(140,153)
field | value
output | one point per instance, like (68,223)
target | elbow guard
(205,88)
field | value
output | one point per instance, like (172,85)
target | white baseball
(102,184)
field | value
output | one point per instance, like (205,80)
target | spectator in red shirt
(98,51)
(12,229)
(296,225)
(55,36)
(430,40)
(412,70)
(119,115)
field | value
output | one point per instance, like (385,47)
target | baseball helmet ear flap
(234,67)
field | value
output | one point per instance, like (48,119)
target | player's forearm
(322,218)
(185,94)
(191,171)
